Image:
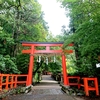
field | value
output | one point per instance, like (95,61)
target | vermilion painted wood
(11,81)
(47,48)
(64,70)
(7,81)
(68,51)
(47,51)
(11,86)
(33,51)
(0,81)
(54,44)
(77,83)
(96,86)
(71,44)
(88,88)
(25,44)
(26,51)
(30,70)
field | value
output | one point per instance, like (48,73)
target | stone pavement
(48,89)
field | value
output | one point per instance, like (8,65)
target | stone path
(48,89)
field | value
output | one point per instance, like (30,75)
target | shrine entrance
(47,45)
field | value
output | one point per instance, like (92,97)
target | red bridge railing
(89,84)
(74,83)
(12,80)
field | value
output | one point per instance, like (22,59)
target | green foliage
(7,65)
(84,29)
(54,67)
(6,43)
(23,63)
(71,66)
(19,21)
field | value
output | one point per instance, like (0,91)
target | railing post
(27,80)
(79,83)
(0,81)
(96,86)
(15,81)
(7,81)
(11,86)
(88,88)
(11,81)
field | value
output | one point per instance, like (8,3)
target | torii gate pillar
(64,70)
(31,64)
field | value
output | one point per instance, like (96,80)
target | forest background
(22,20)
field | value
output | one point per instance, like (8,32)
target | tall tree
(20,21)
(84,23)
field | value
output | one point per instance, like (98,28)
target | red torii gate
(33,51)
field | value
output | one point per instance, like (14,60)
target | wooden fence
(76,81)
(89,84)
(12,80)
